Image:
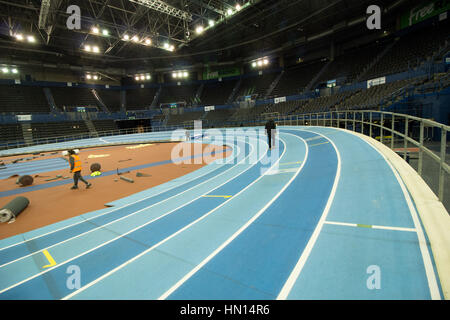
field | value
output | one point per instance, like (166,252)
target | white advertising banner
(23,117)
(279,100)
(376,82)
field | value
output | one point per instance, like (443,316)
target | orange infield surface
(50,205)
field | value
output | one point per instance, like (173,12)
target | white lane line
(118,208)
(171,236)
(429,270)
(370,226)
(242,229)
(307,251)
(119,219)
(133,230)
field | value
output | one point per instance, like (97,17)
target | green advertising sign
(423,12)
(222,73)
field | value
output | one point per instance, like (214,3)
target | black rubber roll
(12,209)
(95,167)
(25,180)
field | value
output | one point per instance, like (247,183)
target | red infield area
(50,203)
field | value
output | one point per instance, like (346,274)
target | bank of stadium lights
(7,70)
(142,77)
(27,38)
(180,74)
(90,76)
(97,31)
(260,63)
(91,48)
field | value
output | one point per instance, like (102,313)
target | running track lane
(22,249)
(256,263)
(182,254)
(15,271)
(370,224)
(52,284)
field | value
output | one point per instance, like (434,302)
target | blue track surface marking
(33,167)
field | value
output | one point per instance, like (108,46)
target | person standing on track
(75,167)
(270,131)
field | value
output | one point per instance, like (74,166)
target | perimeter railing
(421,142)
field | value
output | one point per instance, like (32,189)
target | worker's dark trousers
(77,176)
(270,138)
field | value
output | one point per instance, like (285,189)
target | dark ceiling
(262,27)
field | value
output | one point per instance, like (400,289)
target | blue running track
(310,219)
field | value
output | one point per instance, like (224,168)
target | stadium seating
(410,51)
(257,85)
(58,129)
(73,97)
(217,93)
(23,99)
(184,118)
(11,132)
(104,125)
(296,78)
(178,93)
(140,99)
(111,98)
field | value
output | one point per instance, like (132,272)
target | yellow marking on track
(288,163)
(93,156)
(50,259)
(209,196)
(318,144)
(139,146)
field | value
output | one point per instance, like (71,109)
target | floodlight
(5,70)
(254,64)
(211,23)
(89,77)
(95,30)
(136,78)
(96,49)
(135,38)
(19,37)
(148,41)
(142,77)
(166,45)
(172,48)
(260,63)
(14,71)
(95,77)
(229,12)
(238,7)
(199,30)
(31,39)
(185,74)
(265,61)
(174,75)
(105,32)
(87,48)
(148,77)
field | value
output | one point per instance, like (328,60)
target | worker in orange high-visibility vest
(75,167)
